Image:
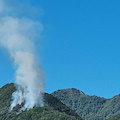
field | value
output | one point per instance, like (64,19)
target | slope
(115,117)
(53,109)
(89,107)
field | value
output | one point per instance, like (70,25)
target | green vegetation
(53,109)
(116,117)
(57,106)
(89,107)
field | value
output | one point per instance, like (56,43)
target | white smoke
(17,36)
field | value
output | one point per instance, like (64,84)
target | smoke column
(17,36)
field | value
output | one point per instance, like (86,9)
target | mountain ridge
(61,104)
(52,110)
(89,107)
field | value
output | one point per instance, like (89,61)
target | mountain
(89,107)
(53,109)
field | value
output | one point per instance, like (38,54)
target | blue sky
(80,45)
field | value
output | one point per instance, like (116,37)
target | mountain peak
(70,91)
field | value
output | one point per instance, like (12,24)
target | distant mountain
(53,109)
(89,107)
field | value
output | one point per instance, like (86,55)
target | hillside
(53,109)
(89,107)
(115,117)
